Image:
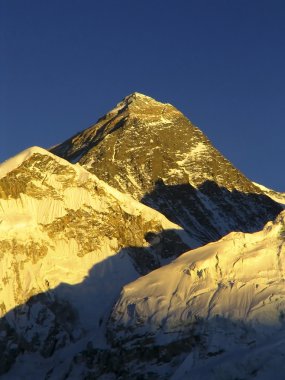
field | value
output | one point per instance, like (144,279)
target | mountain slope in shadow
(209,211)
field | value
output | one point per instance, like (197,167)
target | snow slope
(224,303)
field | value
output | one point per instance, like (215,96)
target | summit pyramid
(151,151)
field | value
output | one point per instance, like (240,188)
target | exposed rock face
(68,243)
(154,153)
(214,313)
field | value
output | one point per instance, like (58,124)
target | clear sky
(64,63)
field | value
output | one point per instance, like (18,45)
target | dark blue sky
(64,63)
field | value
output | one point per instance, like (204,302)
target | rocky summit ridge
(151,151)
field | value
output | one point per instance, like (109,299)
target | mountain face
(88,286)
(217,312)
(154,153)
(68,243)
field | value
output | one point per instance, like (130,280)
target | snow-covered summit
(13,162)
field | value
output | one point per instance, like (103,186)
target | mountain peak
(136,95)
(139,96)
(139,101)
(17,160)
(151,151)
(145,108)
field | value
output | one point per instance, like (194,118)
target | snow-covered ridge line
(273,194)
(17,160)
(14,162)
(127,202)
